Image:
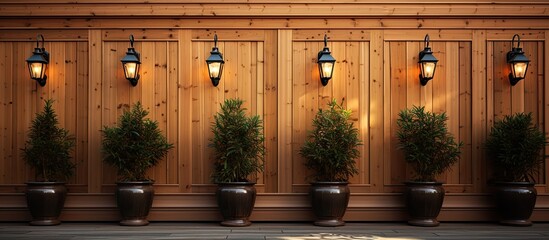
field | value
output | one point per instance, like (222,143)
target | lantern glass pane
(519,69)
(428,69)
(326,69)
(36,70)
(215,69)
(131,69)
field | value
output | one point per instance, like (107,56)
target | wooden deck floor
(282,231)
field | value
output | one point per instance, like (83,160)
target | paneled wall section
(271,64)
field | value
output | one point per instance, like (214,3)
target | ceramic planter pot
(134,200)
(515,202)
(424,201)
(45,201)
(236,201)
(329,201)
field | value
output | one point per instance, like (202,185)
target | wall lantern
(517,61)
(215,64)
(325,63)
(427,63)
(131,64)
(38,62)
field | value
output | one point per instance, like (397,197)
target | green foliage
(331,147)
(134,145)
(237,143)
(514,144)
(48,148)
(428,146)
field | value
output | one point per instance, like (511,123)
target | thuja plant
(514,144)
(331,147)
(428,146)
(134,145)
(237,143)
(48,148)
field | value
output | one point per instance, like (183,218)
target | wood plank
(197,86)
(95,91)
(56,35)
(545,97)
(377,109)
(413,93)
(479,109)
(25,95)
(69,87)
(160,102)
(82,110)
(334,34)
(452,79)
(6,107)
(465,106)
(270,119)
(299,121)
(185,117)
(140,35)
(263,9)
(47,23)
(285,105)
(396,170)
(229,35)
(364,113)
(172,107)
(353,52)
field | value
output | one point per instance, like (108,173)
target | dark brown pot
(515,202)
(424,201)
(134,200)
(236,201)
(45,201)
(329,201)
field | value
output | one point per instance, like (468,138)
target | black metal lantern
(131,64)
(517,61)
(215,64)
(38,62)
(427,63)
(325,63)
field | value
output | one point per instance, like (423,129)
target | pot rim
(329,183)
(45,183)
(236,183)
(514,183)
(423,183)
(145,182)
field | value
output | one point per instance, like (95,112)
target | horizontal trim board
(280,10)
(269,207)
(436,23)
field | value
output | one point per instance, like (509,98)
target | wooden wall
(270,62)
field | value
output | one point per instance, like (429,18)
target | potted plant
(330,152)
(134,145)
(47,151)
(430,150)
(514,146)
(238,149)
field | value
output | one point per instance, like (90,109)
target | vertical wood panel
(299,122)
(6,107)
(479,108)
(82,117)
(185,90)
(378,110)
(363,112)
(95,91)
(395,167)
(270,106)
(172,130)
(465,128)
(285,106)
